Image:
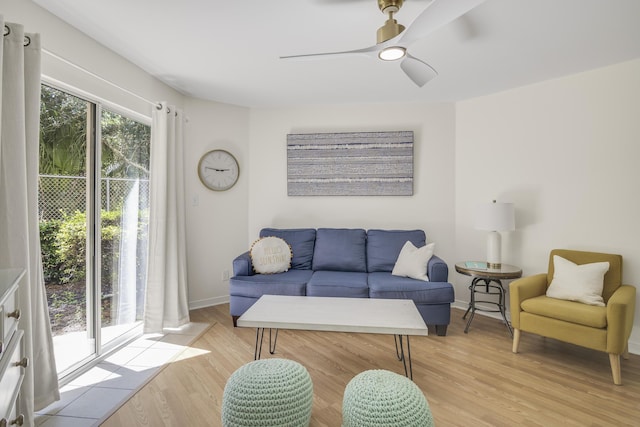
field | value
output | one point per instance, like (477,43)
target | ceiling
(228,51)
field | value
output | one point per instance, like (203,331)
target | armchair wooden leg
(625,353)
(516,340)
(614,360)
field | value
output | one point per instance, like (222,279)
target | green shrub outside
(51,261)
(63,244)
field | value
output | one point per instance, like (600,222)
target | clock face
(218,170)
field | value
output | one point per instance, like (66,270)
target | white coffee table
(396,317)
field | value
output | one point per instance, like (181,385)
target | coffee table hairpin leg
(400,353)
(272,344)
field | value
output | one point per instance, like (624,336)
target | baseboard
(634,346)
(208,302)
(463,305)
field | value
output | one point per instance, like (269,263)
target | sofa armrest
(437,270)
(242,265)
(620,312)
(522,289)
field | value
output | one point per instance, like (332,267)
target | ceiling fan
(393,40)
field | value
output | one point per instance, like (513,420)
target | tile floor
(90,398)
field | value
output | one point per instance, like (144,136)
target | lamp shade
(495,217)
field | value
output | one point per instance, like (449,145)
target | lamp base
(494,265)
(493,250)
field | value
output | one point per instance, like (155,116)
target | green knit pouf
(380,398)
(269,392)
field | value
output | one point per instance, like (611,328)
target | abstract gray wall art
(350,164)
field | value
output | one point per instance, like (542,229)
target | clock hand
(216,169)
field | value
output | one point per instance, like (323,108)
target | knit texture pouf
(380,398)
(269,392)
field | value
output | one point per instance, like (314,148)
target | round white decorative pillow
(270,255)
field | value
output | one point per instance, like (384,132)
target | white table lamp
(495,217)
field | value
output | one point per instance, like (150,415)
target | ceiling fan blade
(438,14)
(418,71)
(368,51)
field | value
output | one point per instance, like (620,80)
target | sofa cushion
(301,240)
(384,246)
(293,282)
(569,311)
(386,285)
(338,284)
(340,249)
(412,262)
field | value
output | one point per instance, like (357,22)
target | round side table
(492,285)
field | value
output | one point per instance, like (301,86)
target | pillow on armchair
(582,283)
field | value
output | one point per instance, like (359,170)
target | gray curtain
(19,230)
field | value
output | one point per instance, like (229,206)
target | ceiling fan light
(392,53)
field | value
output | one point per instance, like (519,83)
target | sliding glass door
(124,201)
(94,207)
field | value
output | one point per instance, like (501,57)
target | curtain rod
(91,73)
(27,42)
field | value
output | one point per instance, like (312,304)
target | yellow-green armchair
(600,328)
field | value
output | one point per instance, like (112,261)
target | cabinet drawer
(10,316)
(11,374)
(13,418)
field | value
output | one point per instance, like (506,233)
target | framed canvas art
(350,164)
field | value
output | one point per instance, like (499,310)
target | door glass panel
(124,219)
(63,186)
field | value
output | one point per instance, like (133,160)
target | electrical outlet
(195,201)
(225,275)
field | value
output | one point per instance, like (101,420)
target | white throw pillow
(581,283)
(270,255)
(412,261)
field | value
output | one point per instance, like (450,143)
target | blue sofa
(340,262)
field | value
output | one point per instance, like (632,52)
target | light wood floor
(469,379)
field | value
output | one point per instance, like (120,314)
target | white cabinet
(12,360)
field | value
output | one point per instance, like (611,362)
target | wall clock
(218,170)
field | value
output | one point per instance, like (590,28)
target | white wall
(67,42)
(430,208)
(566,153)
(216,220)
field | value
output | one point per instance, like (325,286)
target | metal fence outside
(60,195)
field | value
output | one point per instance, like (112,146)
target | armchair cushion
(581,283)
(568,311)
